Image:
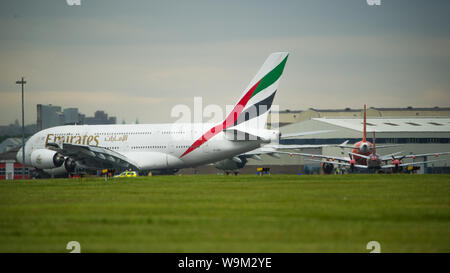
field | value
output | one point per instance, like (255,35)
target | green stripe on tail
(271,77)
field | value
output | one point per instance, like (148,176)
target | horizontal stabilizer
(245,134)
(305,133)
(237,135)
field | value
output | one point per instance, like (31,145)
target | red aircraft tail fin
(374,147)
(364,128)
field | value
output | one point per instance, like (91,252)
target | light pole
(22,82)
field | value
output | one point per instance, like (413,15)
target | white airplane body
(148,147)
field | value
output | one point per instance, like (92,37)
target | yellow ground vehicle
(127,174)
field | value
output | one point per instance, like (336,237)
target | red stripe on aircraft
(229,121)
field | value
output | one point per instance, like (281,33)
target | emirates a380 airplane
(161,147)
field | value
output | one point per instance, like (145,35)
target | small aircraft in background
(364,156)
(363,148)
(372,161)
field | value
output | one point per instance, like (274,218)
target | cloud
(436,97)
(127,67)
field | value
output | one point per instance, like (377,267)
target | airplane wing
(359,155)
(93,156)
(240,134)
(340,163)
(304,146)
(408,164)
(272,149)
(350,146)
(295,146)
(305,133)
(259,151)
(347,164)
(389,156)
(346,145)
(327,157)
(388,146)
(428,154)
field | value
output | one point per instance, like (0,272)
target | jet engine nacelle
(61,171)
(69,165)
(231,164)
(397,168)
(327,168)
(46,159)
(365,148)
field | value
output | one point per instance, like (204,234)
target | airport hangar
(415,130)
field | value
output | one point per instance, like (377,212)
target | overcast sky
(138,59)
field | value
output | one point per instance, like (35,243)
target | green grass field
(210,213)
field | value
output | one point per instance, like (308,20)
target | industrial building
(100,117)
(10,143)
(286,117)
(9,167)
(48,116)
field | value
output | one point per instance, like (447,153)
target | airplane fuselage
(148,146)
(362,148)
(373,162)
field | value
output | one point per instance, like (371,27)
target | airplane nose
(19,156)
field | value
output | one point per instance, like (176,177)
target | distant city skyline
(54,115)
(138,60)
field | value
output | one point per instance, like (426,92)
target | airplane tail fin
(374,149)
(256,101)
(254,104)
(364,125)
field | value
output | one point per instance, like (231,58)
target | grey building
(10,143)
(292,116)
(15,129)
(49,116)
(100,117)
(71,116)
